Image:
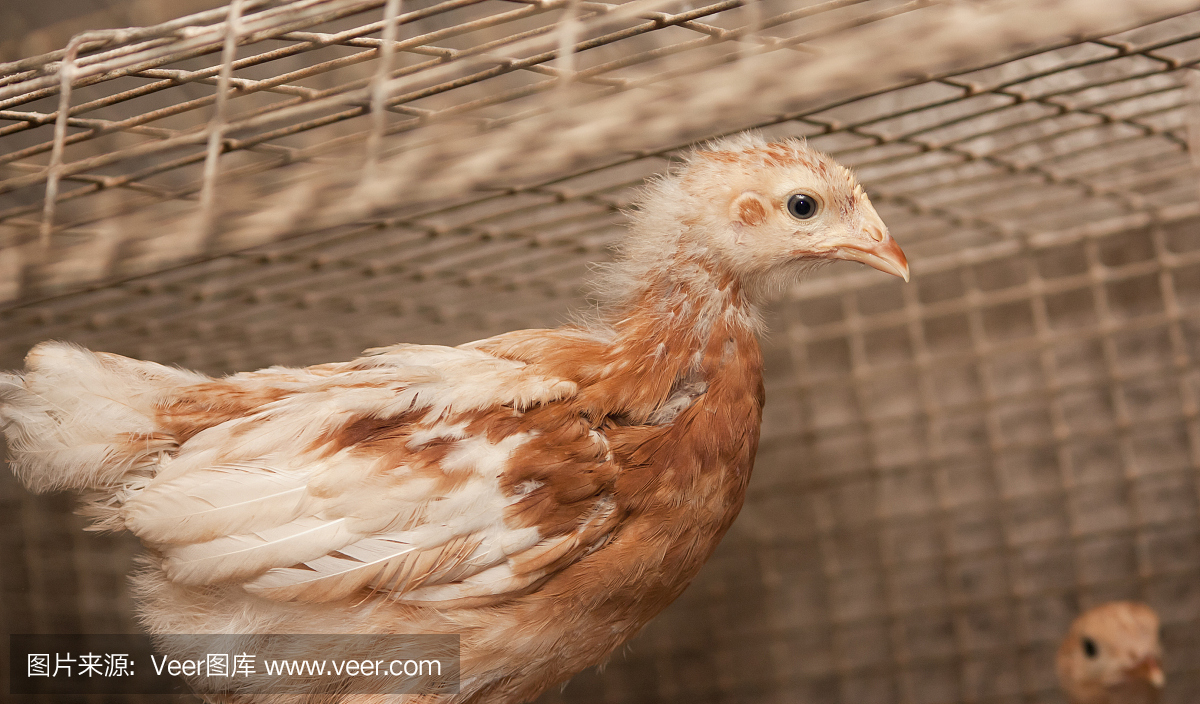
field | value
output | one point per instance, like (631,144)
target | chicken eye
(1089,647)
(802,206)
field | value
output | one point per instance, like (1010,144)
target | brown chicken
(1111,655)
(542,493)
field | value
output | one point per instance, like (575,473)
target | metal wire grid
(320,114)
(922,540)
(1053,392)
(1013,163)
(445,81)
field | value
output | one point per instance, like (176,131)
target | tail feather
(77,419)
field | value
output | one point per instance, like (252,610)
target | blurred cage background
(950,470)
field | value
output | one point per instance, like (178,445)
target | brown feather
(591,470)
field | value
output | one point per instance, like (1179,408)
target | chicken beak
(876,249)
(1150,671)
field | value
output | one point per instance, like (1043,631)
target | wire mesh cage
(950,469)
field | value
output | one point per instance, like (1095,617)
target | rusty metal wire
(949,470)
(457,90)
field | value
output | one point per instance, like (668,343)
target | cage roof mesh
(950,470)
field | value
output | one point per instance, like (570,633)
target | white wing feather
(255,500)
(239,557)
(224,499)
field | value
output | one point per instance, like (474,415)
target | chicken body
(542,493)
(1111,655)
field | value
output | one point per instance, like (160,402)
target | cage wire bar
(950,470)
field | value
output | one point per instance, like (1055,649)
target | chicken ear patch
(749,209)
